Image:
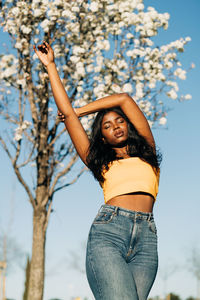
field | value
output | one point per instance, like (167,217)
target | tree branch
(17,172)
(21,180)
(5,148)
(63,172)
(73,181)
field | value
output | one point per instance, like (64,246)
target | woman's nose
(116,125)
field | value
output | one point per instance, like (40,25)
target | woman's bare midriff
(134,201)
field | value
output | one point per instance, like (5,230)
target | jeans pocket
(152,226)
(104,217)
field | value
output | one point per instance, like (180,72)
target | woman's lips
(119,134)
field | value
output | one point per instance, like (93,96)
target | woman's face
(114,129)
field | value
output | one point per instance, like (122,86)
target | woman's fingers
(46,45)
(44,52)
(61,116)
(43,48)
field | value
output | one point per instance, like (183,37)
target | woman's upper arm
(136,117)
(78,136)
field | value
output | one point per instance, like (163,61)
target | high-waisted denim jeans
(122,260)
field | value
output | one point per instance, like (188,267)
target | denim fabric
(121,260)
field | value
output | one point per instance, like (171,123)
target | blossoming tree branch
(101,47)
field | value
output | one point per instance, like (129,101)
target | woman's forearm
(103,103)
(59,93)
(128,106)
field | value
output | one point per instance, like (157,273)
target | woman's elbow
(125,97)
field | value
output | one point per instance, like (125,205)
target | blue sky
(177,207)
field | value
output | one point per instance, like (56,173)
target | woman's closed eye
(120,120)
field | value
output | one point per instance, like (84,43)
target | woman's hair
(100,154)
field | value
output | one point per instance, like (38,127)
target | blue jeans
(122,259)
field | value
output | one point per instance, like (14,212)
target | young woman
(121,261)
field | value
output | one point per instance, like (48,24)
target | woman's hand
(62,116)
(45,53)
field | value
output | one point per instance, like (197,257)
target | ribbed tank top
(129,175)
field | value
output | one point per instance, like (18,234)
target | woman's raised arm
(72,123)
(129,107)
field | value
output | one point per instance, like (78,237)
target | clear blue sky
(177,207)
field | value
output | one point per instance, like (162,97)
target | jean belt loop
(149,217)
(116,210)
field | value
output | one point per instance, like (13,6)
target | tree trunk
(36,283)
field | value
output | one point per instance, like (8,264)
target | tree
(172,296)
(10,255)
(193,264)
(55,299)
(101,48)
(165,273)
(26,285)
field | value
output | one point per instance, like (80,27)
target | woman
(121,261)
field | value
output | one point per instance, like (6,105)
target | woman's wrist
(50,64)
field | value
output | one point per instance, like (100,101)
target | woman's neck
(121,152)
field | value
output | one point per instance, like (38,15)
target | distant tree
(165,273)
(154,298)
(190,298)
(76,259)
(193,265)
(10,256)
(10,251)
(25,295)
(172,296)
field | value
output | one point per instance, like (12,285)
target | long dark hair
(101,154)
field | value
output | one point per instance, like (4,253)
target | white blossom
(18,45)
(163,121)
(45,25)
(17,136)
(25,30)
(94,6)
(180,73)
(74,59)
(25,124)
(127,88)
(188,39)
(77,50)
(140,6)
(129,35)
(37,12)
(15,11)
(150,123)
(21,82)
(172,94)
(116,88)
(188,97)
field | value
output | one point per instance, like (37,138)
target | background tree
(101,48)
(11,254)
(193,265)
(165,273)
(172,296)
(26,285)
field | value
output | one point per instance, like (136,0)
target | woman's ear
(104,141)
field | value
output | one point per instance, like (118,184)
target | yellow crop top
(129,175)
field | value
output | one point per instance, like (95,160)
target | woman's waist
(132,214)
(138,201)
